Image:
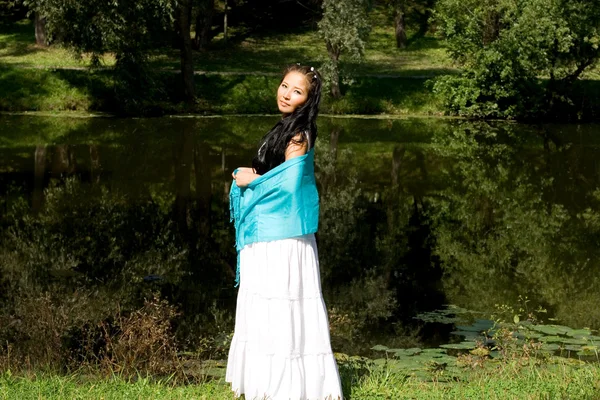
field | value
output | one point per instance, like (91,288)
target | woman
(281,348)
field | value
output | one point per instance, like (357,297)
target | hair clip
(312,68)
(298,64)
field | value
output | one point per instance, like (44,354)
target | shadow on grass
(384,95)
(17,87)
(18,39)
(237,94)
(85,90)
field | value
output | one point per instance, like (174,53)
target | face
(292,92)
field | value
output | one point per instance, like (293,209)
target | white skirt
(281,348)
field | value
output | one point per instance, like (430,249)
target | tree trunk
(203,186)
(400,27)
(39,169)
(63,161)
(204,24)
(41,35)
(334,138)
(187,66)
(423,23)
(334,54)
(225,33)
(397,156)
(184,153)
(96,167)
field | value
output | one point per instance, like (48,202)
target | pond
(416,214)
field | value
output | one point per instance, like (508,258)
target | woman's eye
(283,85)
(297,92)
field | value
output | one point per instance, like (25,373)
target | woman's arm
(296,148)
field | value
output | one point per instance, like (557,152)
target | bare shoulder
(298,146)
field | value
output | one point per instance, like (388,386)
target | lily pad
(581,342)
(528,334)
(432,350)
(552,329)
(479,325)
(587,352)
(469,335)
(551,339)
(405,352)
(577,333)
(460,346)
(550,347)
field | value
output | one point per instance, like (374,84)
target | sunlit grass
(255,54)
(18,48)
(558,380)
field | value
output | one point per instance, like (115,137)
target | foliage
(356,293)
(344,28)
(141,342)
(520,59)
(403,13)
(11,10)
(75,265)
(128,29)
(502,222)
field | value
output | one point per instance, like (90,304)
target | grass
(258,54)
(558,380)
(76,90)
(389,81)
(18,48)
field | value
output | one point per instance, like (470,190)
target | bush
(519,59)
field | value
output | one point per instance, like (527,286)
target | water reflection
(416,213)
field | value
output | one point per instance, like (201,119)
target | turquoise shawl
(280,204)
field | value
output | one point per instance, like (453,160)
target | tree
(507,47)
(344,28)
(403,13)
(204,16)
(187,61)
(129,29)
(41,35)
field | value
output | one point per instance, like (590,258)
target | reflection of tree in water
(375,253)
(477,217)
(502,230)
(410,267)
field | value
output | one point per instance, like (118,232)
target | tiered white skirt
(281,348)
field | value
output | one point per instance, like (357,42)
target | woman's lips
(283,103)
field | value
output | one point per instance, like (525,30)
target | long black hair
(271,148)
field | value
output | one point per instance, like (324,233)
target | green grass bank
(235,77)
(238,77)
(59,90)
(562,380)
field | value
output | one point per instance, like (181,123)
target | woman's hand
(244,176)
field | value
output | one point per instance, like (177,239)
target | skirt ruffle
(281,348)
